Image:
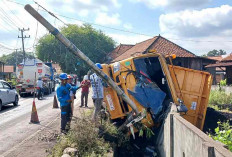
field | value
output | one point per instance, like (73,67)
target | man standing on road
(97,86)
(85,84)
(63,95)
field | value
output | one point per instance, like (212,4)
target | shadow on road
(7,108)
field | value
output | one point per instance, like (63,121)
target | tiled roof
(220,64)
(217,58)
(8,68)
(228,58)
(120,49)
(160,44)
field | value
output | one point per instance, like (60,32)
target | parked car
(8,94)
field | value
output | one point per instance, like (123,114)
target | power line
(8,17)
(117,29)
(20,21)
(23,30)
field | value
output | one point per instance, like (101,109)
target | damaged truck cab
(153,84)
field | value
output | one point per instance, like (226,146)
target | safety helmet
(63,76)
(99,65)
(69,77)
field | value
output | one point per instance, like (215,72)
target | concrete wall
(228,89)
(179,138)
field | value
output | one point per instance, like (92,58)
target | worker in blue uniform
(63,95)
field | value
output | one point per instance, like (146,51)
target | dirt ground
(40,143)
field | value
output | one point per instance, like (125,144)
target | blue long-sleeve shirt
(63,93)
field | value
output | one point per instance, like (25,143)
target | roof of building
(158,43)
(228,58)
(217,58)
(120,49)
(219,64)
(8,68)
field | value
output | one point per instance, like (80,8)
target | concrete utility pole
(82,56)
(16,58)
(22,30)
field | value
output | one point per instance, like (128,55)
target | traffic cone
(34,115)
(55,104)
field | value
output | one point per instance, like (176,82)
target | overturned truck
(153,85)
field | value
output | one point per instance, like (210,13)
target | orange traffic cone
(34,115)
(55,104)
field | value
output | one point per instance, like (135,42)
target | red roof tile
(160,44)
(8,68)
(217,58)
(220,64)
(228,58)
(120,49)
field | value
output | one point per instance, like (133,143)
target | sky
(196,25)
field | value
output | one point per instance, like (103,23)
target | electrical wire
(20,21)
(112,28)
(8,17)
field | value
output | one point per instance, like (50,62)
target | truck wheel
(16,101)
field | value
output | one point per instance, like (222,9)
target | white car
(8,94)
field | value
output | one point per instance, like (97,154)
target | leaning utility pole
(22,30)
(83,57)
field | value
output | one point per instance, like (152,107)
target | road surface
(14,121)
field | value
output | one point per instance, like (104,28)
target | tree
(10,59)
(216,53)
(95,44)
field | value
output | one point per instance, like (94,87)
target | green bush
(223,133)
(84,137)
(223,82)
(220,98)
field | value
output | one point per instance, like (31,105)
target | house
(57,68)
(120,49)
(8,72)
(220,71)
(164,46)
(226,66)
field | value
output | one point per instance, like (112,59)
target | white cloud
(127,39)
(128,26)
(206,22)
(172,4)
(78,6)
(104,19)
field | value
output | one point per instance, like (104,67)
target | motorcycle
(40,93)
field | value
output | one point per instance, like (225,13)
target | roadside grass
(90,139)
(220,100)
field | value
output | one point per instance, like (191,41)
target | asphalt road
(14,121)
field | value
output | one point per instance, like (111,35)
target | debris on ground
(48,136)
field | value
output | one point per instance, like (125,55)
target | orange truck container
(170,82)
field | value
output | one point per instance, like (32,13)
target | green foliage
(216,53)
(84,137)
(220,98)
(223,133)
(10,59)
(223,82)
(94,44)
